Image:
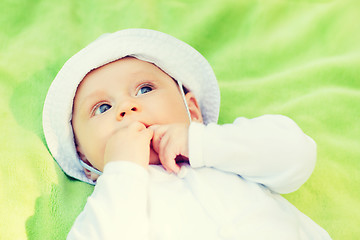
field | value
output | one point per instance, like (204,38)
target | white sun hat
(178,59)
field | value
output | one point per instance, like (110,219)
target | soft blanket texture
(297,58)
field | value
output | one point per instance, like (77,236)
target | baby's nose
(126,109)
(122,114)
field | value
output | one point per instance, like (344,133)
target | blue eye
(144,89)
(102,108)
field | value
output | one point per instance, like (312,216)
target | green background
(297,58)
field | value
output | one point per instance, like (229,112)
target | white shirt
(230,190)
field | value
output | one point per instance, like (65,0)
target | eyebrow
(87,101)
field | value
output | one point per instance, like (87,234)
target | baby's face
(117,94)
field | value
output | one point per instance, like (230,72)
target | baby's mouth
(145,124)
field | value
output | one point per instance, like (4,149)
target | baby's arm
(117,209)
(271,150)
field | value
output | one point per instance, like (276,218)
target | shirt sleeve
(117,209)
(270,150)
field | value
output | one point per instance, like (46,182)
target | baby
(135,113)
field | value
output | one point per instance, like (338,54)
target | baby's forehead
(123,70)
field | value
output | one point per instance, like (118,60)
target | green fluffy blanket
(297,58)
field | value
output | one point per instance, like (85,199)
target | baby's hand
(131,143)
(170,142)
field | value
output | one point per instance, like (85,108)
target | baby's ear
(194,109)
(88,173)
